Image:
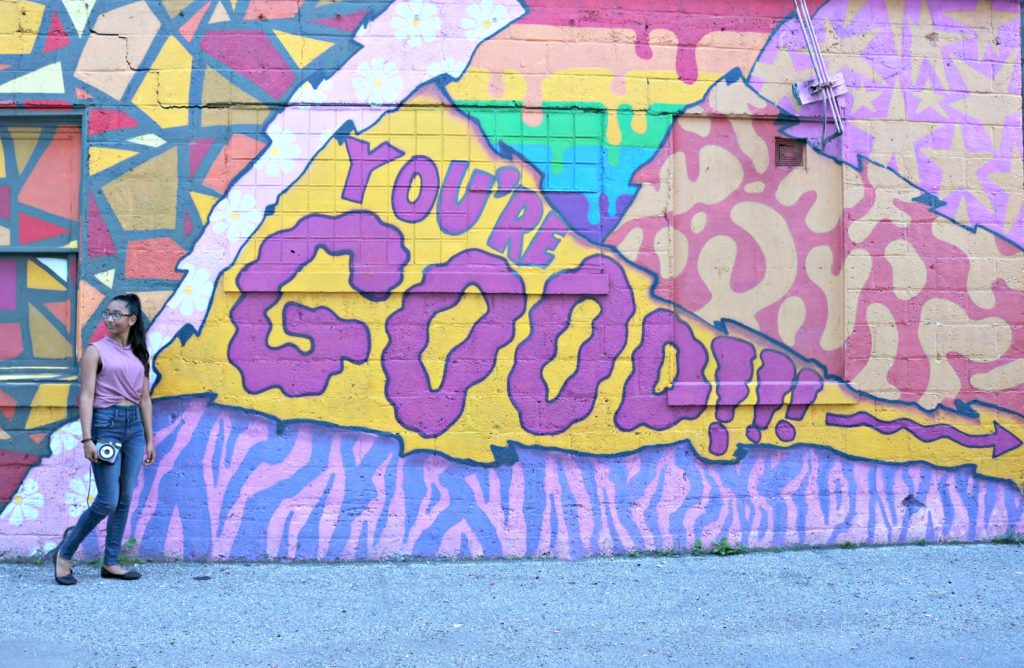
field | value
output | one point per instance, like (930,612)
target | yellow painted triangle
(47,342)
(3,161)
(40,279)
(216,89)
(48,397)
(303,50)
(4,436)
(102,158)
(204,204)
(24,143)
(106,278)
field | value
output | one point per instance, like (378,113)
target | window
(40,191)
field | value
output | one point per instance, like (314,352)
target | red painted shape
(13,467)
(100,241)
(44,104)
(98,333)
(63,312)
(58,37)
(82,95)
(5,202)
(32,229)
(10,347)
(187,225)
(271,9)
(189,28)
(108,120)
(235,156)
(344,22)
(153,258)
(7,404)
(53,184)
(253,55)
(197,150)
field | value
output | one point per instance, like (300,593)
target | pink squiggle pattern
(232,484)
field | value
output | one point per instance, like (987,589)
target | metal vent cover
(789,152)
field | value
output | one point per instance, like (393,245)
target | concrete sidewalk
(903,606)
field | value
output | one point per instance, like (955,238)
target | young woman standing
(114,404)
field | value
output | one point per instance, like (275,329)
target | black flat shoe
(68,579)
(130,575)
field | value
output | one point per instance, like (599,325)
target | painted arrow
(1001,440)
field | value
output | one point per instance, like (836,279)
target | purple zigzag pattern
(234,484)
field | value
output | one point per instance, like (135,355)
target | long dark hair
(137,333)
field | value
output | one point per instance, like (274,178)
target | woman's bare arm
(146,408)
(89,365)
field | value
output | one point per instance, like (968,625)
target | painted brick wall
(500,278)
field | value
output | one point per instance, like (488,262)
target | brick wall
(513,279)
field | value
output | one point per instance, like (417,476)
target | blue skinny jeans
(115,482)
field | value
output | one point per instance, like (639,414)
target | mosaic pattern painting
(40,182)
(501,278)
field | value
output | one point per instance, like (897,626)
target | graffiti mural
(502,278)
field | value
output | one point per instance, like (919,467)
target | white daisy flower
(281,157)
(45,548)
(25,505)
(68,437)
(156,341)
(76,498)
(193,294)
(310,94)
(237,216)
(445,66)
(377,82)
(415,22)
(483,19)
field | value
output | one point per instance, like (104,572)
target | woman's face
(117,317)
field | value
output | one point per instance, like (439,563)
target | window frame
(37,369)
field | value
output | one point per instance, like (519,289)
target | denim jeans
(115,482)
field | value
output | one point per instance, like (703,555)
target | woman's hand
(150,453)
(90,452)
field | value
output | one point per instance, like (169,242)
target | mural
(500,278)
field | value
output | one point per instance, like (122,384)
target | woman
(114,404)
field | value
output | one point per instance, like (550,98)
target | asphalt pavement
(942,605)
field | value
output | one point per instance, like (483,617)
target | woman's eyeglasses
(113,315)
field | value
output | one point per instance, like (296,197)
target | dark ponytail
(137,333)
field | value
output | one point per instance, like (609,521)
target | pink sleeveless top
(121,377)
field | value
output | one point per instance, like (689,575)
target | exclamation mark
(735,370)
(774,381)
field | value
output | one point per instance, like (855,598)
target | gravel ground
(947,605)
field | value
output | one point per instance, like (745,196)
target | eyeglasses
(113,315)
